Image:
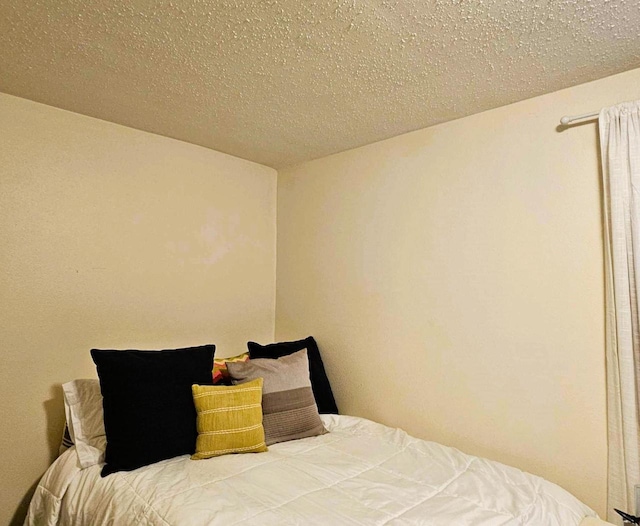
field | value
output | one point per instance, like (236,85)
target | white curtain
(620,147)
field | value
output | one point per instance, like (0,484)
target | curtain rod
(567,119)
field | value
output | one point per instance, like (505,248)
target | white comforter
(359,473)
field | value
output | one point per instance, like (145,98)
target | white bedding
(359,473)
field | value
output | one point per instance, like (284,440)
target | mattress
(360,473)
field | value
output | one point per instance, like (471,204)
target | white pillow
(85,419)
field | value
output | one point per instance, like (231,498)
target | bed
(359,473)
(266,447)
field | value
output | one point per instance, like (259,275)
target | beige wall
(112,237)
(453,277)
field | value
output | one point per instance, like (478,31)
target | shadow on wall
(21,510)
(54,415)
(564,127)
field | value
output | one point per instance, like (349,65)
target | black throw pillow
(148,406)
(319,382)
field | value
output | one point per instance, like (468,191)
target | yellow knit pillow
(229,419)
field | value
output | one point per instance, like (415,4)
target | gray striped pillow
(67,441)
(288,405)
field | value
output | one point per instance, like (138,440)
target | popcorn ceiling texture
(284,81)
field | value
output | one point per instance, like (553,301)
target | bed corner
(594,521)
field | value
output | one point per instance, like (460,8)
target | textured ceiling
(285,81)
